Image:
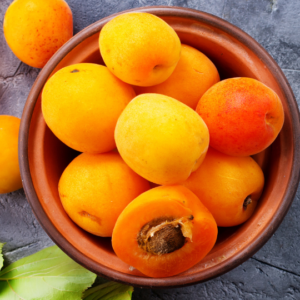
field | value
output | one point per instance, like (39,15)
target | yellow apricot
(139,48)
(10,178)
(36,29)
(161,139)
(94,190)
(81,104)
(193,76)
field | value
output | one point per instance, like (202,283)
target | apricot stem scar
(75,71)
(247,201)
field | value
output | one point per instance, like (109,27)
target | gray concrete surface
(273,272)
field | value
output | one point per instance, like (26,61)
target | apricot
(164,231)
(95,188)
(10,178)
(139,48)
(243,116)
(229,186)
(161,139)
(193,76)
(81,104)
(36,29)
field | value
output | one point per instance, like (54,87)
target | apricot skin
(165,201)
(223,182)
(94,189)
(161,139)
(81,104)
(36,29)
(243,116)
(10,178)
(193,76)
(139,48)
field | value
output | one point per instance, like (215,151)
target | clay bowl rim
(169,282)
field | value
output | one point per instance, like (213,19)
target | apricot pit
(165,235)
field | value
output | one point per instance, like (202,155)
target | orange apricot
(193,76)
(164,231)
(81,104)
(243,116)
(36,29)
(229,186)
(139,48)
(94,189)
(161,139)
(10,178)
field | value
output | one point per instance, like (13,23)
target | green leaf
(109,291)
(47,275)
(1,256)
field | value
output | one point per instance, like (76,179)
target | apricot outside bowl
(43,157)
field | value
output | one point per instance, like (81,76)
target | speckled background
(273,272)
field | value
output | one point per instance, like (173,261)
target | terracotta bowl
(43,157)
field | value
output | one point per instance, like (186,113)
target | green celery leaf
(1,256)
(109,291)
(47,275)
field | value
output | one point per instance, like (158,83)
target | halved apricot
(164,231)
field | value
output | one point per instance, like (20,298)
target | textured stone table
(273,272)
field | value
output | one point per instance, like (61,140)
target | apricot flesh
(164,204)
(94,189)
(193,76)
(139,48)
(228,186)
(161,139)
(36,29)
(10,178)
(81,104)
(243,116)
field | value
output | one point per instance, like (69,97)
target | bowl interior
(48,157)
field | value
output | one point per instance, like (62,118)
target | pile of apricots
(166,146)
